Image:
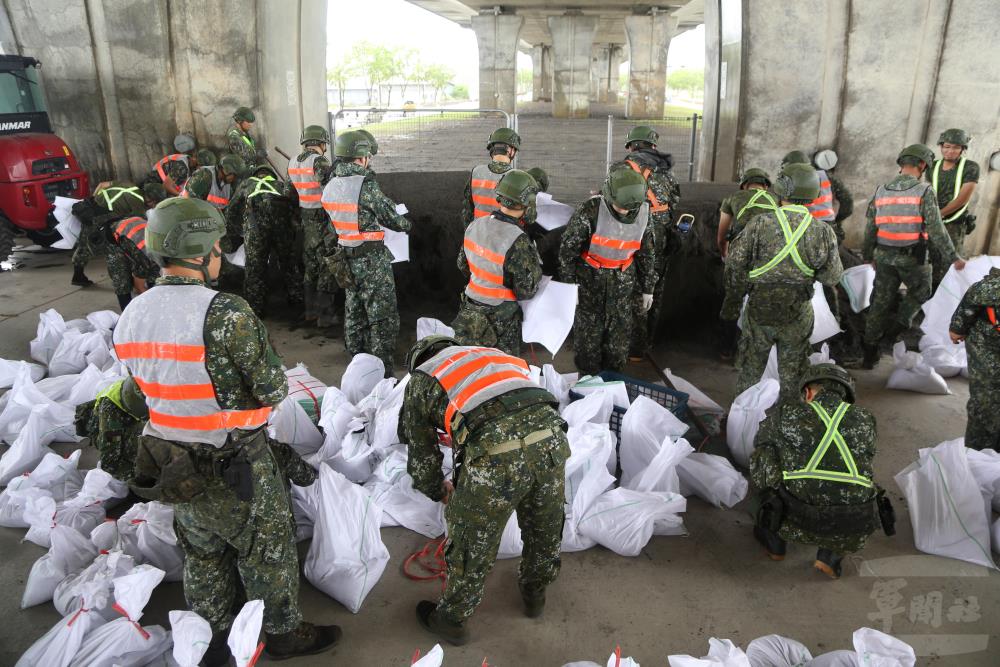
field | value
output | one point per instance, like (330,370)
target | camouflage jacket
(844,198)
(177,171)
(140,264)
(200,183)
(736,202)
(323,171)
(522,267)
(946,180)
(422,418)
(971,312)
(762,239)
(242,144)
(576,239)
(374,208)
(468,207)
(938,237)
(660,179)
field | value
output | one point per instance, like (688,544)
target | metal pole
(694,140)
(516,128)
(332,128)
(610,139)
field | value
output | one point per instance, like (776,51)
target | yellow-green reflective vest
(832,436)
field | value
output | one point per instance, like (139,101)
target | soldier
(843,200)
(823,206)
(813,464)
(541,178)
(111,201)
(977,322)
(267,227)
(663,194)
(511,450)
(479,200)
(214,183)
(173,170)
(608,249)
(114,421)
(240,141)
(503,267)
(776,260)
(210,378)
(902,217)
(206,157)
(954,179)
(129,267)
(307,174)
(356,250)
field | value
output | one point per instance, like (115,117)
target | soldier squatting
(187,427)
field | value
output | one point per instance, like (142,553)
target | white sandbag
(877,649)
(946,508)
(434,658)
(428,326)
(821,357)
(27,449)
(82,512)
(558,384)
(745,416)
(661,474)
(587,477)
(841,658)
(938,310)
(76,350)
(912,373)
(644,428)
(698,401)
(777,651)
(859,283)
(92,381)
(771,367)
(59,388)
(995,536)
(55,476)
(712,478)
(948,360)
(590,384)
(289,423)
(69,225)
(624,520)
(302,385)
(103,320)
(147,532)
(408,507)
(385,432)
(191,635)
(51,328)
(347,556)
(825,325)
(361,375)
(8,371)
(53,421)
(595,407)
(511,544)
(244,635)
(985,468)
(69,554)
(59,646)
(721,653)
(102,572)
(305,506)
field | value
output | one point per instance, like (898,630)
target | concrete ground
(670,599)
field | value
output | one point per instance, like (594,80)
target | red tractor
(36,166)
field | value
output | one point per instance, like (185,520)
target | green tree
(338,77)
(410,69)
(524,81)
(379,65)
(460,92)
(689,80)
(438,77)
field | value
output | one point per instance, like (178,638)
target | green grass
(413,122)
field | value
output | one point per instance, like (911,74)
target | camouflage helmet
(352,144)
(798,182)
(755,175)
(917,152)
(183,228)
(370,137)
(264,170)
(233,164)
(820,372)
(504,135)
(154,192)
(540,177)
(794,157)
(244,114)
(425,348)
(642,133)
(956,136)
(516,189)
(624,187)
(206,157)
(184,143)
(314,134)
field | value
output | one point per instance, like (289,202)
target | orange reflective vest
(898,219)
(614,244)
(655,205)
(487,242)
(160,339)
(218,195)
(821,208)
(303,177)
(471,376)
(176,157)
(340,200)
(134,229)
(991,315)
(483,187)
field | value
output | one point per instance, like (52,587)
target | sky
(438,40)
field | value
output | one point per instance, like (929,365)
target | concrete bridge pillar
(648,39)
(497,36)
(572,39)
(541,80)
(608,83)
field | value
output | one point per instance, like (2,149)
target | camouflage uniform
(902,265)
(957,229)
(236,550)
(114,421)
(779,311)
(787,439)
(125,262)
(94,211)
(468,207)
(177,170)
(488,490)
(845,200)
(371,316)
(242,144)
(316,279)
(735,205)
(199,186)
(982,343)
(500,326)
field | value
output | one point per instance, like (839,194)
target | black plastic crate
(675,401)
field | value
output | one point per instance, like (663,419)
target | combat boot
(534,600)
(872,354)
(773,545)
(217,653)
(433,622)
(79,279)
(307,639)
(828,563)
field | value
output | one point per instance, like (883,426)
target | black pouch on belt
(238,475)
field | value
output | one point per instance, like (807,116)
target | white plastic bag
(191,635)
(624,520)
(661,474)
(428,326)
(821,357)
(9,369)
(590,384)
(303,387)
(947,359)
(51,328)
(825,325)
(147,532)
(54,422)
(644,428)
(361,375)
(244,635)
(103,571)
(946,508)
(347,556)
(698,401)
(76,350)
(777,651)
(721,653)
(290,424)
(587,478)
(938,310)
(859,283)
(434,658)
(392,488)
(558,384)
(912,373)
(877,649)
(69,554)
(595,407)
(712,478)
(386,423)
(511,544)
(59,646)
(985,467)
(55,476)
(745,416)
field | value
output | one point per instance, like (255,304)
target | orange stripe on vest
(175,392)
(226,420)
(889,201)
(154,350)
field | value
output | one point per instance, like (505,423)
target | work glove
(647,302)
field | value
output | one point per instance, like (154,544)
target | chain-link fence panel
(679,136)
(424,139)
(571,151)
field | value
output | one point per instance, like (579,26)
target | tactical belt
(830,520)
(521,443)
(366,248)
(466,425)
(211,461)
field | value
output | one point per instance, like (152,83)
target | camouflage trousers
(262,237)
(90,244)
(892,268)
(318,286)
(532,483)
(119,270)
(644,323)
(117,439)
(792,341)
(602,328)
(489,326)
(236,551)
(982,431)
(957,232)
(371,317)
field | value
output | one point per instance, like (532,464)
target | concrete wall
(122,77)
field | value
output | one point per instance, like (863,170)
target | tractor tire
(45,237)
(6,238)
